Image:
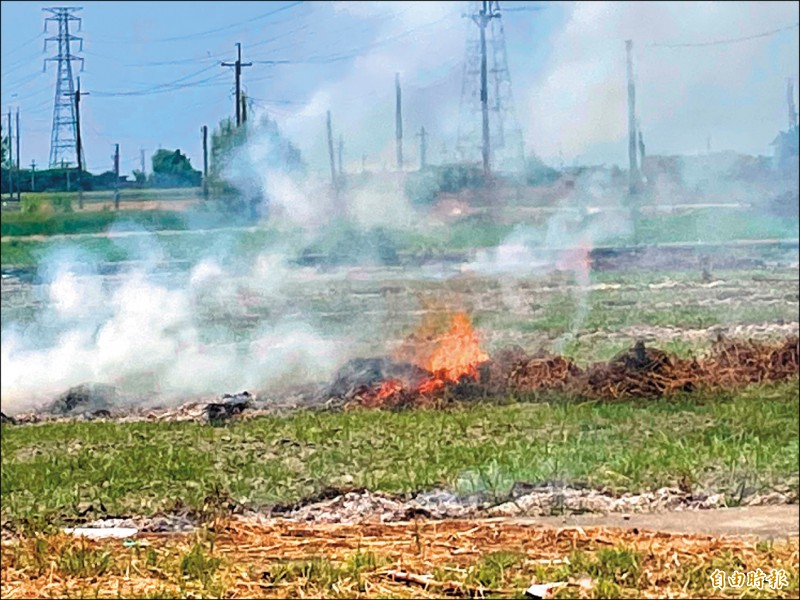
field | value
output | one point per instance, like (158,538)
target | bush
(538,173)
(344,243)
(423,187)
(61,204)
(31,206)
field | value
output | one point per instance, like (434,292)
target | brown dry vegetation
(637,373)
(413,559)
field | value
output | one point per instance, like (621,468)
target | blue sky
(566,63)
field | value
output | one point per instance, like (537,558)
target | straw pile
(640,372)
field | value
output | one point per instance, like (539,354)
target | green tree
(140,178)
(538,173)
(172,168)
(282,153)
(244,192)
(171,163)
(4,149)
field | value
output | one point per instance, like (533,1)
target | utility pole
(398,118)
(141,161)
(423,147)
(10,159)
(633,173)
(790,102)
(338,206)
(116,176)
(78,143)
(330,151)
(33,175)
(341,150)
(19,186)
(205,161)
(238,71)
(482,20)
(244,107)
(641,150)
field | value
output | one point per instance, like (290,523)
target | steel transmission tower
(491,103)
(64,134)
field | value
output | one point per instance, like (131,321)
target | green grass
(184,246)
(717,441)
(712,225)
(24,224)
(348,242)
(127,194)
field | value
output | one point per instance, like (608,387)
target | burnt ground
(763,522)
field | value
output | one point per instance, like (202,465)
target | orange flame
(388,388)
(449,356)
(445,346)
(458,352)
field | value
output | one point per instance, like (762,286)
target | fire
(387,391)
(446,346)
(389,388)
(449,356)
(458,352)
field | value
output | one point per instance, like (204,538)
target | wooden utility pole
(339,208)
(78,144)
(238,71)
(423,147)
(19,186)
(141,161)
(205,161)
(33,175)
(10,160)
(330,152)
(341,151)
(116,176)
(398,118)
(633,170)
(482,19)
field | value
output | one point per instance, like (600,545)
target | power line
(202,34)
(336,57)
(26,43)
(728,41)
(524,8)
(167,86)
(207,82)
(179,61)
(227,27)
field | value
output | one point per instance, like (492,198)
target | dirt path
(762,522)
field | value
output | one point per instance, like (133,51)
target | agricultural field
(481,495)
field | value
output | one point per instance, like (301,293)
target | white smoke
(578,104)
(145,336)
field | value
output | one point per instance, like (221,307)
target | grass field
(344,243)
(464,559)
(719,442)
(125,194)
